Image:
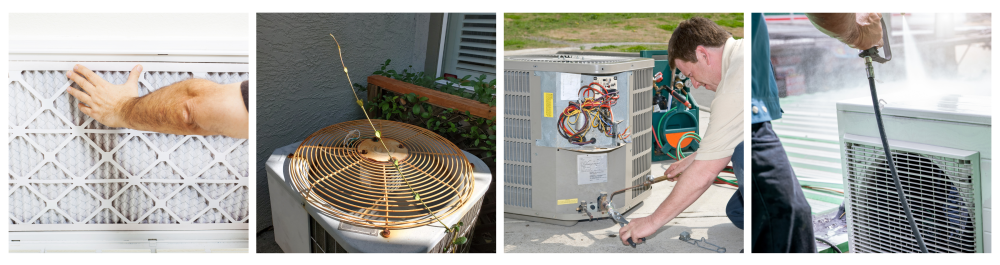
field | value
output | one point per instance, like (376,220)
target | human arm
(858,30)
(193,106)
(694,181)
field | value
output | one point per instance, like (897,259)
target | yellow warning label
(548,105)
(567,201)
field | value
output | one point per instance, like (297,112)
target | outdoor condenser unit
(547,177)
(337,190)
(941,147)
(76,185)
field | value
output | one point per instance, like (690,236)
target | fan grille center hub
(373,149)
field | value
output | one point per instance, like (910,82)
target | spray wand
(870,55)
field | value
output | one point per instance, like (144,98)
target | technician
(782,219)
(190,107)
(710,57)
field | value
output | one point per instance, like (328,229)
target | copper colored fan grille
(344,171)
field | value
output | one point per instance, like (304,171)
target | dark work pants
(782,219)
(734,209)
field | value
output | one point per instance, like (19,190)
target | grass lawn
(629,48)
(541,30)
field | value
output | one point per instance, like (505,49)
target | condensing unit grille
(642,125)
(517,147)
(940,190)
(69,172)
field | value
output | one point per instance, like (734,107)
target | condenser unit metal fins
(939,189)
(517,143)
(941,147)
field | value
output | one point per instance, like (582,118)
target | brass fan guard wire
(353,188)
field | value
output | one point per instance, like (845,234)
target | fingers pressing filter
(84,108)
(79,95)
(133,77)
(80,81)
(90,75)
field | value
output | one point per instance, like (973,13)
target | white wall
(233,26)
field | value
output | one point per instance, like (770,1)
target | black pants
(734,208)
(782,219)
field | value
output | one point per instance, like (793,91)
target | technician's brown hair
(691,33)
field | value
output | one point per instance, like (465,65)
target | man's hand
(638,228)
(103,101)
(858,30)
(676,168)
(869,31)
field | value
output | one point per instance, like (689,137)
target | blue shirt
(764,105)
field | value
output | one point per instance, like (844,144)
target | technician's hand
(103,101)
(676,168)
(869,31)
(638,228)
(858,30)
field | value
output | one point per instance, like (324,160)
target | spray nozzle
(873,51)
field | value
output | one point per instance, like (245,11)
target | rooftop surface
(705,218)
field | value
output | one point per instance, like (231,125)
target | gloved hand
(858,30)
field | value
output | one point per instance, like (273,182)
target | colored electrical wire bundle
(592,110)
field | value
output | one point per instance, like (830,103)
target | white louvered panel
(69,172)
(471,45)
(940,191)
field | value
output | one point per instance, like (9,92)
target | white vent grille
(471,45)
(69,172)
(940,191)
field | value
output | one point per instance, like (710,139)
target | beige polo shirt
(725,125)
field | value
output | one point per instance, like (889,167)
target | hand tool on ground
(686,237)
(870,55)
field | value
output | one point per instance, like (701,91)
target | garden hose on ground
(835,248)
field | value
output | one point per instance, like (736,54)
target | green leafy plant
(482,90)
(470,133)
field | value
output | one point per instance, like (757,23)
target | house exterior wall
(300,85)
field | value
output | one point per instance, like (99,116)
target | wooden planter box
(377,83)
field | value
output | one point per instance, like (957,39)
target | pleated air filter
(69,172)
(344,171)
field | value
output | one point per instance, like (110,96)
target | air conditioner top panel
(933,106)
(569,63)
